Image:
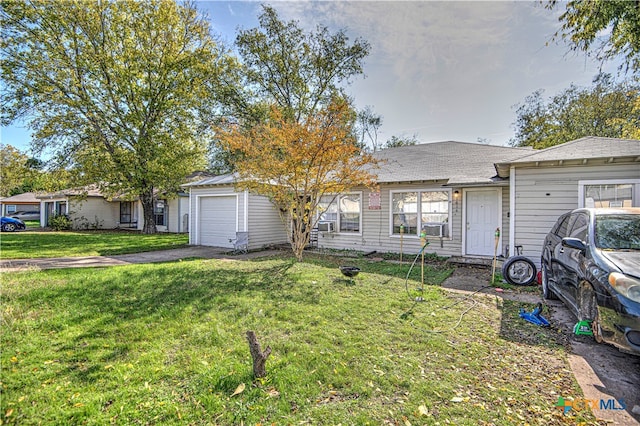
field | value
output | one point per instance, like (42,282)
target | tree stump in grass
(259,357)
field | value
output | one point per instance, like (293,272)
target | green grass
(32,224)
(28,245)
(165,344)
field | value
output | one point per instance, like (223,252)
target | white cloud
(449,70)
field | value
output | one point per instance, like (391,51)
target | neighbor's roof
(88,191)
(25,198)
(455,162)
(584,150)
(228,179)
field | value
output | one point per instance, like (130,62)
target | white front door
(482,217)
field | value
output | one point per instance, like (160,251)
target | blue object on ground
(534,316)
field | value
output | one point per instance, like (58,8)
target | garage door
(217,221)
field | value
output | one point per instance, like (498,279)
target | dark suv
(591,261)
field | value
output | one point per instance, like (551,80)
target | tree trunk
(148,201)
(300,226)
(259,357)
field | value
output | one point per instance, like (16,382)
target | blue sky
(438,70)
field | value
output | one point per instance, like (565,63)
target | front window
(159,212)
(609,194)
(405,212)
(417,209)
(61,208)
(343,210)
(126,212)
(618,232)
(434,207)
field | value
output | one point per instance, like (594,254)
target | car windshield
(618,232)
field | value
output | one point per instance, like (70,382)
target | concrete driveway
(200,252)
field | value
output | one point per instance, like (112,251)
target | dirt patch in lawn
(603,372)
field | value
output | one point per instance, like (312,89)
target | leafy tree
(607,109)
(13,169)
(299,72)
(20,173)
(604,28)
(397,141)
(296,163)
(124,90)
(295,141)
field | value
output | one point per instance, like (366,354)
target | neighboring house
(90,209)
(19,203)
(460,193)
(218,213)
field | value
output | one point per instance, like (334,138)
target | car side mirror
(574,243)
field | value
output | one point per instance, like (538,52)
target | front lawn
(33,244)
(165,344)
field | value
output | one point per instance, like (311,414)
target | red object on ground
(539,278)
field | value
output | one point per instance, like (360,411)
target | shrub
(60,222)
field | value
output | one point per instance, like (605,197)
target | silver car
(27,215)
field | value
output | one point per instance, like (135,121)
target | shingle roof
(455,162)
(464,163)
(27,197)
(88,191)
(585,149)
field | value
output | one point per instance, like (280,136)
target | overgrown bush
(83,223)
(60,222)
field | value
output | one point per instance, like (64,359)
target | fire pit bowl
(349,271)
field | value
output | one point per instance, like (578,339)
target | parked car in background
(9,224)
(591,261)
(27,215)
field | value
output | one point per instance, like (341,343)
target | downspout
(512,209)
(179,214)
(191,218)
(246,211)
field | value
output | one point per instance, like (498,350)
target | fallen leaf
(423,411)
(238,390)
(457,399)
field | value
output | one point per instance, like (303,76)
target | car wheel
(519,270)
(547,293)
(9,227)
(588,309)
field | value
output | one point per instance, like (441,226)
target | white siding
(178,215)
(376,227)
(544,193)
(265,227)
(94,212)
(264,224)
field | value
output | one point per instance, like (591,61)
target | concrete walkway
(199,252)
